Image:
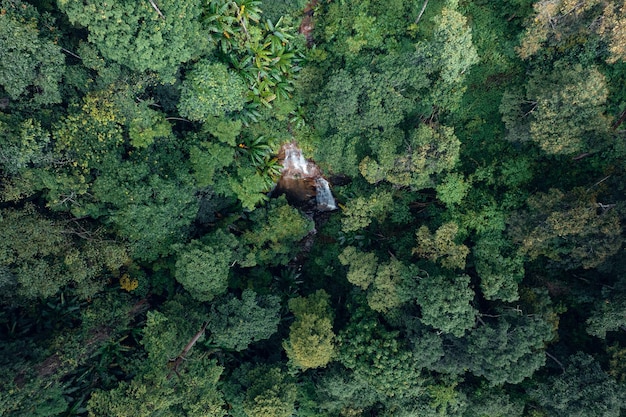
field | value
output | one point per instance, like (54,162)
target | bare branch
(176,362)
(178,118)
(70,53)
(548,354)
(599,182)
(419,16)
(155,7)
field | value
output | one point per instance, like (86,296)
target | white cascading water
(294,162)
(324,197)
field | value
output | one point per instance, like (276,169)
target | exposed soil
(308,23)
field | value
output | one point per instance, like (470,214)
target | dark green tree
(236,323)
(572,229)
(33,64)
(445,302)
(500,269)
(485,401)
(609,312)
(379,359)
(584,389)
(508,350)
(203,267)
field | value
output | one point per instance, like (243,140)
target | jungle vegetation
(475,266)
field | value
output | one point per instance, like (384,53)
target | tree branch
(548,354)
(178,118)
(419,16)
(176,362)
(599,182)
(67,51)
(155,7)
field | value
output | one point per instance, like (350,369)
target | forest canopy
(471,263)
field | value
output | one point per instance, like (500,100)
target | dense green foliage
(475,264)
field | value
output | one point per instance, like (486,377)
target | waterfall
(294,163)
(323,196)
(302,181)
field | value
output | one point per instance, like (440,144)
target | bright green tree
(146,125)
(273,236)
(144,35)
(210,89)
(452,189)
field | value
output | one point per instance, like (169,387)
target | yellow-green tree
(271,394)
(428,152)
(569,109)
(441,247)
(262,390)
(311,342)
(210,89)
